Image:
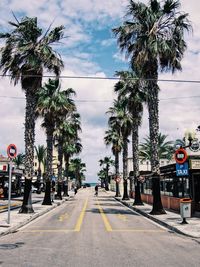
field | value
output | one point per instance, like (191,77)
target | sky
(90,50)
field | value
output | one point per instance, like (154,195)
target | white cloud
(108,42)
(119,57)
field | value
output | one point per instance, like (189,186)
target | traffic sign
(117,179)
(180,155)
(182,169)
(12,151)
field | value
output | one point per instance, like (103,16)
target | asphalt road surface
(96,231)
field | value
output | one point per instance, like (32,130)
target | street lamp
(189,136)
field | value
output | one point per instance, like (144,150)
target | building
(175,184)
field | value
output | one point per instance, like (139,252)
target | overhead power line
(94,100)
(104,78)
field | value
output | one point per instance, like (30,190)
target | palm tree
(130,90)
(40,153)
(26,54)
(113,137)
(19,160)
(67,130)
(102,176)
(165,148)
(121,120)
(73,147)
(106,162)
(53,105)
(78,169)
(153,39)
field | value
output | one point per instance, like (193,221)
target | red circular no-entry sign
(117,179)
(12,151)
(180,155)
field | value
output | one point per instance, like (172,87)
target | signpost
(12,153)
(180,155)
(117,179)
(182,169)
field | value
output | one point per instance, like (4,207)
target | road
(96,231)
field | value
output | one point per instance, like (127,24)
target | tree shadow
(113,211)
(11,246)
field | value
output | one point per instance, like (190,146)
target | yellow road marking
(80,219)
(63,217)
(47,231)
(138,230)
(122,217)
(105,220)
(2,207)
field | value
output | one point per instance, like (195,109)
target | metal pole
(9,189)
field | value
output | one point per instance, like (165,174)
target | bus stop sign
(12,151)
(180,156)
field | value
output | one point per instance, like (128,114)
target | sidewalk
(17,219)
(171,220)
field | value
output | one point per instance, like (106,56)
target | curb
(170,227)
(13,229)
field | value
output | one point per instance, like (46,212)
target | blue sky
(91,50)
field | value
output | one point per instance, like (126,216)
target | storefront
(174,187)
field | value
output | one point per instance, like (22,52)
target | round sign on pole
(180,155)
(117,179)
(12,151)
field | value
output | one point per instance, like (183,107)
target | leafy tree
(53,105)
(25,56)
(153,40)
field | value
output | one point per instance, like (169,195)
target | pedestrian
(1,192)
(96,190)
(75,190)
(5,190)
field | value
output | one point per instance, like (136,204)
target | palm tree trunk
(66,194)
(154,131)
(125,176)
(117,173)
(49,171)
(106,179)
(60,160)
(39,179)
(135,143)
(31,102)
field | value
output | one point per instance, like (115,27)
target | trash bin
(185,208)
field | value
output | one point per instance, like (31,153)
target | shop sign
(182,169)
(195,164)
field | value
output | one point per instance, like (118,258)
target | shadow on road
(11,246)
(113,211)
